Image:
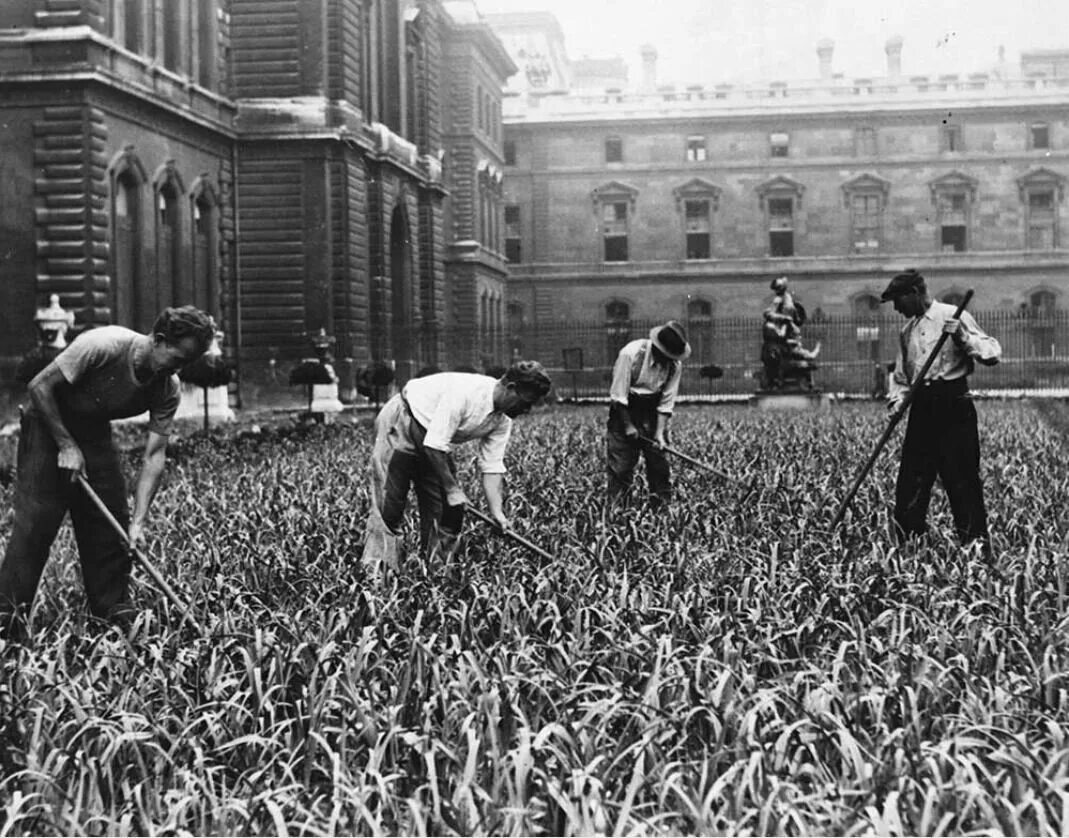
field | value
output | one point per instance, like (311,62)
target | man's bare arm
(43,395)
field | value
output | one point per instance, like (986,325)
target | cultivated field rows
(726,666)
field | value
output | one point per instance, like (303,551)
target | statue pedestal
(788,400)
(325,401)
(191,405)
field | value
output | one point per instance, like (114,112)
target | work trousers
(622,453)
(398,463)
(941,440)
(44,494)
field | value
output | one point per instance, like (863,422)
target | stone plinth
(191,405)
(789,399)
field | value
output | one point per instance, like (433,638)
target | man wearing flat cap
(415,433)
(941,436)
(645,383)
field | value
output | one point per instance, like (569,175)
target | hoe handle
(900,411)
(142,559)
(691,461)
(519,539)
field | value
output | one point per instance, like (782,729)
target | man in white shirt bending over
(414,437)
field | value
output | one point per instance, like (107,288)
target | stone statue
(52,324)
(787,364)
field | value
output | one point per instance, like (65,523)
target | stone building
(283,164)
(662,200)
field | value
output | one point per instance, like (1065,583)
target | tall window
(510,152)
(953,221)
(779,144)
(168,246)
(206,39)
(1042,221)
(614,150)
(699,229)
(617,328)
(131,25)
(1039,135)
(695,149)
(951,137)
(866,215)
(173,43)
(367,63)
(204,296)
(513,241)
(614,230)
(780,227)
(126,251)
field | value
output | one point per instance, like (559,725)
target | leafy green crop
(725,666)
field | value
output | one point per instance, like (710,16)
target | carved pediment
(1041,179)
(866,182)
(614,190)
(953,182)
(697,189)
(780,186)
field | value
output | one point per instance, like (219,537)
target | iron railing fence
(854,355)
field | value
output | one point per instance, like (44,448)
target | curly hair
(180,322)
(530,375)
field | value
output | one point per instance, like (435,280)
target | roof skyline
(751,40)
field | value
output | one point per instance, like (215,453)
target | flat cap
(903,283)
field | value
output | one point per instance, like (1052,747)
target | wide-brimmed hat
(903,283)
(671,340)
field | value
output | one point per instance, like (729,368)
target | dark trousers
(622,453)
(941,440)
(43,496)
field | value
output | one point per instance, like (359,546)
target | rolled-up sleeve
(620,389)
(671,389)
(492,449)
(981,347)
(164,406)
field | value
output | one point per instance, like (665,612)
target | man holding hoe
(415,433)
(65,434)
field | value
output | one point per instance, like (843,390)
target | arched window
(168,247)
(617,327)
(205,293)
(126,250)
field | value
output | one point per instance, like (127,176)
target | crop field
(727,666)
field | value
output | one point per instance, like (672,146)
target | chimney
(893,48)
(825,47)
(649,67)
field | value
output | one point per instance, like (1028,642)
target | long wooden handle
(519,539)
(691,461)
(142,559)
(917,382)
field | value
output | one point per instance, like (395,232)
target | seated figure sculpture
(786,363)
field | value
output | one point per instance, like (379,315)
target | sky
(712,41)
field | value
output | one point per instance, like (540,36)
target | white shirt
(918,338)
(635,372)
(456,407)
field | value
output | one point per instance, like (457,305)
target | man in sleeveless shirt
(645,383)
(106,373)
